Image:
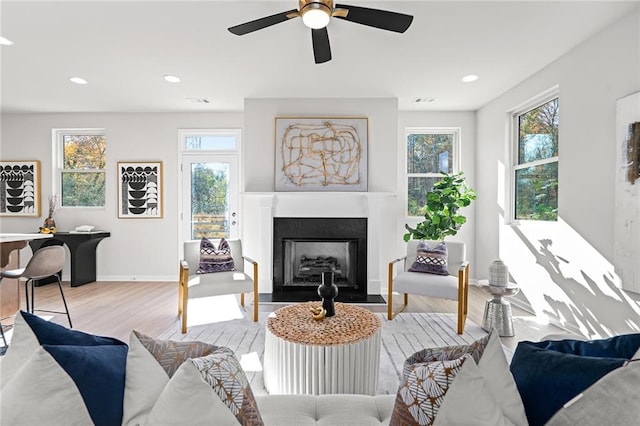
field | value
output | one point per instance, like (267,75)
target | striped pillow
(431,260)
(214,259)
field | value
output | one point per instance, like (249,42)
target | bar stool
(44,263)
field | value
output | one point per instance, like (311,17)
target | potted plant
(441,217)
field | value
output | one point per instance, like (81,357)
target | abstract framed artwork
(20,188)
(140,189)
(321,154)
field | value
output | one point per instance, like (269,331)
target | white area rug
(405,335)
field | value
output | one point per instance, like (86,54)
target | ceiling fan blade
(321,47)
(267,21)
(383,19)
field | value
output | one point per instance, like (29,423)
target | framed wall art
(20,188)
(140,190)
(321,154)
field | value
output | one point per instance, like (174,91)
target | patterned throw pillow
(475,349)
(170,354)
(423,390)
(431,260)
(214,259)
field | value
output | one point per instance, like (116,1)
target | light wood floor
(115,308)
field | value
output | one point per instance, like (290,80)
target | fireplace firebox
(304,248)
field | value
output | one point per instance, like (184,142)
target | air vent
(199,100)
(424,100)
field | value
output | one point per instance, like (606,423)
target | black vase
(328,291)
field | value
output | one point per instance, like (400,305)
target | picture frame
(140,190)
(20,188)
(321,153)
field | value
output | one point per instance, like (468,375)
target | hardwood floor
(115,308)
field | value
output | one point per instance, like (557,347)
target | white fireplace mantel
(259,208)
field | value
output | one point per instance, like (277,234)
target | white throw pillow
(144,382)
(189,400)
(500,382)
(612,400)
(469,402)
(48,391)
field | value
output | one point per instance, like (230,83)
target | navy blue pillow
(49,333)
(623,346)
(547,379)
(99,373)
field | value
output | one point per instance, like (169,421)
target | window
(535,173)
(430,152)
(80,161)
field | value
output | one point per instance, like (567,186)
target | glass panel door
(210,205)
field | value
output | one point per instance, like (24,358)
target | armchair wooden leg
(242,299)
(390,314)
(255,292)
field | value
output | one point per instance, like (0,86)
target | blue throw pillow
(98,372)
(623,346)
(546,378)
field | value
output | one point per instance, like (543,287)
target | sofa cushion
(64,385)
(612,400)
(31,331)
(215,259)
(431,260)
(546,378)
(207,390)
(326,410)
(150,365)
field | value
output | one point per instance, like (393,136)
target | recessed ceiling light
(469,78)
(427,99)
(77,80)
(172,78)
(5,41)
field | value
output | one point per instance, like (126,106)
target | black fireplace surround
(303,248)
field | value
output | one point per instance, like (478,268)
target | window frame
(58,162)
(456,161)
(514,134)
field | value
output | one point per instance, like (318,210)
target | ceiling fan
(316,15)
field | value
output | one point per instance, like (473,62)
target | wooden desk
(9,289)
(82,246)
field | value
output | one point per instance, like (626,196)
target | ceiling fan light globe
(316,17)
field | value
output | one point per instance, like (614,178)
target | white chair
(454,286)
(45,262)
(193,286)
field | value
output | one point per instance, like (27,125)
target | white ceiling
(124,48)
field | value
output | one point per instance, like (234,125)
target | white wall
(138,249)
(259,133)
(565,269)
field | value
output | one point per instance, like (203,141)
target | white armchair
(192,285)
(454,286)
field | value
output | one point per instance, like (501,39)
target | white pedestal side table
(497,311)
(340,354)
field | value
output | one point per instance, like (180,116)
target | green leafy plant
(441,217)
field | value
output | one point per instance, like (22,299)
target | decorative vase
(49,223)
(328,291)
(498,274)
